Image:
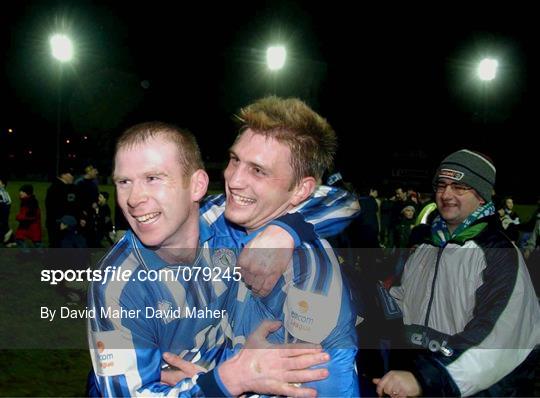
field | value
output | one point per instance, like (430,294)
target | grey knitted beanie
(470,168)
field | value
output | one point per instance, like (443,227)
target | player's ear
(303,190)
(199,185)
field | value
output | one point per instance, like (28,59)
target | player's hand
(180,369)
(265,259)
(264,368)
(398,384)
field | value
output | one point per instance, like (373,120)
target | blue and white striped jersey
(126,352)
(311,299)
(314,304)
(330,210)
(127,349)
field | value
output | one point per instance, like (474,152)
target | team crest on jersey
(452,174)
(164,307)
(224,258)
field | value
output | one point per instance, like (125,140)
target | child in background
(403,229)
(70,238)
(29,218)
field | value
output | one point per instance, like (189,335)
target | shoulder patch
(111,355)
(309,316)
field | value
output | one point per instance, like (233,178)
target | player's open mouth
(242,200)
(147,218)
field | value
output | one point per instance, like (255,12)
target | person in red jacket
(29,218)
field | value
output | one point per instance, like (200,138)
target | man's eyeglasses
(458,189)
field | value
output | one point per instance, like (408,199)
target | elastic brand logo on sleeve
(452,174)
(432,344)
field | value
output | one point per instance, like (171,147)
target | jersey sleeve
(326,213)
(318,309)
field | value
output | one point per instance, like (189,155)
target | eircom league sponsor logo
(112,352)
(106,360)
(452,174)
(300,319)
(310,317)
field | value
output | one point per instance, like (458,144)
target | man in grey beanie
(471,168)
(463,182)
(469,307)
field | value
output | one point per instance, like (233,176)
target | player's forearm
(229,374)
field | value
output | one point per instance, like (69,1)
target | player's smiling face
(258,180)
(152,192)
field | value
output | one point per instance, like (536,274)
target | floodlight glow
(275,57)
(487,69)
(61,46)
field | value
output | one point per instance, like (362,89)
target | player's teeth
(242,200)
(147,217)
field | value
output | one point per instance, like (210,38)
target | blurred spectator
(60,200)
(5,206)
(426,209)
(69,236)
(103,218)
(29,218)
(412,196)
(367,231)
(88,194)
(532,255)
(120,223)
(398,202)
(509,219)
(402,231)
(399,198)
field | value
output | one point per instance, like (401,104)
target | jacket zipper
(432,295)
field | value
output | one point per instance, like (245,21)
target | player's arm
(318,309)
(266,257)
(259,367)
(327,212)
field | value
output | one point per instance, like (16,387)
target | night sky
(396,82)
